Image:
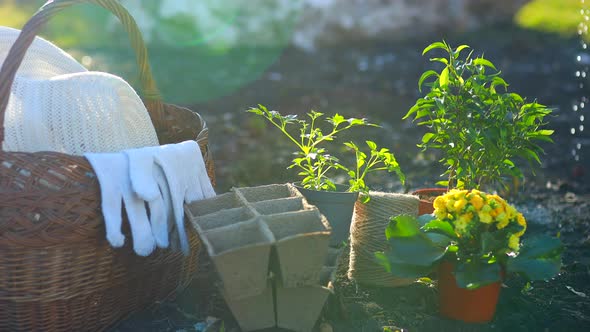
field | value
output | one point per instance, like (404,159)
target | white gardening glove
(112,170)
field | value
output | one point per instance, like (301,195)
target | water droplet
(579,146)
(582,118)
(573,131)
(574,152)
(581,85)
(583,74)
(582,105)
(579,57)
(584,46)
(577,73)
(577,158)
(575,108)
(581,127)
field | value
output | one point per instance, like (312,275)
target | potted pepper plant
(472,240)
(482,130)
(318,168)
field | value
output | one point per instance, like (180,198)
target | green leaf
(440,227)
(336,119)
(444,78)
(545,132)
(372,145)
(539,258)
(476,273)
(531,155)
(434,46)
(416,250)
(402,226)
(484,62)
(424,76)
(458,50)
(441,60)
(427,137)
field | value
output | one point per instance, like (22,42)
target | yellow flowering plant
(479,233)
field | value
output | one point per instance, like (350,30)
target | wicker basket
(57,271)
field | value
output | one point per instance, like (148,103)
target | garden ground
(379,82)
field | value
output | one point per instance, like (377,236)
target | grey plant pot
(241,254)
(336,206)
(301,245)
(298,309)
(254,312)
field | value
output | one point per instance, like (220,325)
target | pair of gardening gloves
(161,177)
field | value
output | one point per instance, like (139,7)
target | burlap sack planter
(240,253)
(280,205)
(301,246)
(223,218)
(267,192)
(298,309)
(220,202)
(367,236)
(254,312)
(338,208)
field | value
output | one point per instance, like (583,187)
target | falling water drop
(579,146)
(581,127)
(581,118)
(578,73)
(573,131)
(575,108)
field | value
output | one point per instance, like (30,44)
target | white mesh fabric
(42,60)
(57,105)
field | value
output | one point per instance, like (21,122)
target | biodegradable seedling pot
(240,253)
(298,309)
(301,245)
(427,196)
(280,205)
(254,312)
(211,205)
(222,218)
(337,206)
(267,192)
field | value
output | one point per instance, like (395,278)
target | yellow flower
(503,220)
(497,211)
(461,227)
(511,211)
(522,222)
(476,201)
(450,205)
(441,214)
(513,242)
(439,203)
(459,194)
(485,217)
(460,204)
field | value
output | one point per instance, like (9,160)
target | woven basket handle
(33,26)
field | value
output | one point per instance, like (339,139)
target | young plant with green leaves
(316,165)
(482,130)
(480,234)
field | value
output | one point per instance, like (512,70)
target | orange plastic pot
(472,306)
(427,196)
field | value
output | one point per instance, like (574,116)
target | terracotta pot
(426,198)
(472,306)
